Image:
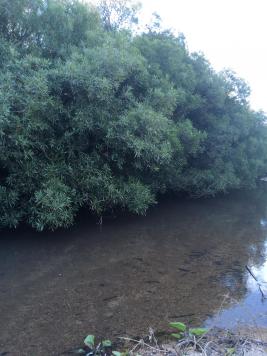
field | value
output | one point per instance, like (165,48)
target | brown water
(175,264)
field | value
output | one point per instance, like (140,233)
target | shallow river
(185,261)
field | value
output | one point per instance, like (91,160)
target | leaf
(106,343)
(179,326)
(198,331)
(177,336)
(116,353)
(89,341)
(230,351)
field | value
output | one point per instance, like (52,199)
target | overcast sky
(231,33)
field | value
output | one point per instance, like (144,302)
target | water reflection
(177,263)
(251,309)
(260,275)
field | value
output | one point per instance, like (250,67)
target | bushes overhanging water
(95,115)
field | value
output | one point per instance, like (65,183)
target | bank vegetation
(99,114)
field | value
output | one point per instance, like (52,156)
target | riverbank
(216,342)
(213,342)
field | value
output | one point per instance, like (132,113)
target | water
(185,261)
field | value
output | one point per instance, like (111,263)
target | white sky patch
(231,34)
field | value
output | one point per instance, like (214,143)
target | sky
(231,34)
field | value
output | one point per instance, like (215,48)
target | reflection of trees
(193,254)
(174,264)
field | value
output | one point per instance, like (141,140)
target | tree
(98,117)
(117,14)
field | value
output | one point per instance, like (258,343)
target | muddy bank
(211,342)
(216,342)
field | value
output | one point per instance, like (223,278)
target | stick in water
(259,285)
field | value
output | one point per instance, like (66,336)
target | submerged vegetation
(95,114)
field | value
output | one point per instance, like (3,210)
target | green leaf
(177,336)
(179,326)
(198,331)
(106,343)
(80,352)
(89,341)
(116,353)
(230,351)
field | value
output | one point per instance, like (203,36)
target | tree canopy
(95,115)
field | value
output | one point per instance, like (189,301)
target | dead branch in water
(258,283)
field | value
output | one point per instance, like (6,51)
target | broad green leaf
(90,341)
(177,336)
(179,326)
(198,331)
(106,343)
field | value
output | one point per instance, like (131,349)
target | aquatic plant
(103,348)
(184,331)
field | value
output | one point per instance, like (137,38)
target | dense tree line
(96,115)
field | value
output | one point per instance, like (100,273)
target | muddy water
(184,261)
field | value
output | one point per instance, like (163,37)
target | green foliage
(52,206)
(106,343)
(230,351)
(93,115)
(198,331)
(10,215)
(186,332)
(118,14)
(178,325)
(89,341)
(103,348)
